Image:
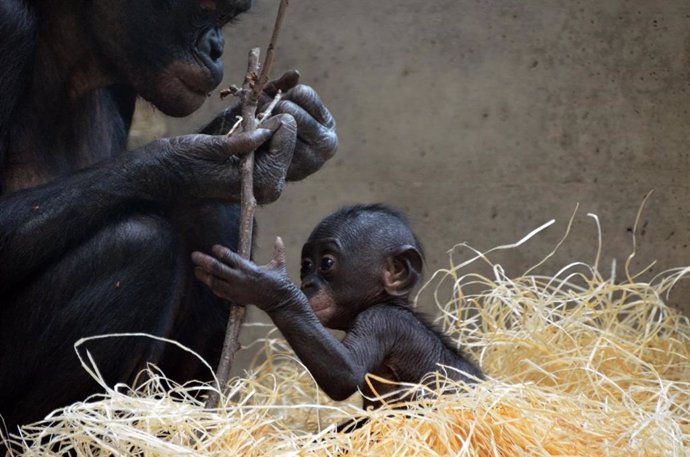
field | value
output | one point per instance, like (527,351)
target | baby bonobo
(359,267)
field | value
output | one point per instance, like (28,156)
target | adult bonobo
(96,239)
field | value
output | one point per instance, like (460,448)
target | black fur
(17,35)
(96,239)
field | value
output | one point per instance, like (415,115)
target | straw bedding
(578,364)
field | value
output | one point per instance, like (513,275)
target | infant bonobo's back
(413,347)
(359,268)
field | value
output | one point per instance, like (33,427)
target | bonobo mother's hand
(242,282)
(317,140)
(207,167)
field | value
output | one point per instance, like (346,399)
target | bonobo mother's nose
(209,48)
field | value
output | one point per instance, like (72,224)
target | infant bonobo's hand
(243,282)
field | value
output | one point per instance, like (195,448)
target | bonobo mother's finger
(284,130)
(286,82)
(271,164)
(309,100)
(309,129)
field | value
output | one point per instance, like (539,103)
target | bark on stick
(249,96)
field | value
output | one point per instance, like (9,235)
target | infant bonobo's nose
(309,287)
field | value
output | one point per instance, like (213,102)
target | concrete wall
(484,119)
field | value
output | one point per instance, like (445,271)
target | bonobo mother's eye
(306,268)
(208,5)
(327,263)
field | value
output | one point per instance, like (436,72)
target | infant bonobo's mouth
(320,303)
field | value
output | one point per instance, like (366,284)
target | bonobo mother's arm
(38,225)
(338,369)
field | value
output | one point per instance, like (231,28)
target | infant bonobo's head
(357,257)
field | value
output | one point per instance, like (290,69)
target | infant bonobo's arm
(337,368)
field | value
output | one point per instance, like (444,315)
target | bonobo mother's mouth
(194,88)
(180,89)
(198,82)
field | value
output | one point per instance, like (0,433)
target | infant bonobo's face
(337,278)
(358,257)
(320,266)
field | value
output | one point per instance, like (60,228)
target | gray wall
(484,119)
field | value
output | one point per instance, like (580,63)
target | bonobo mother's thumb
(238,144)
(286,82)
(282,125)
(282,143)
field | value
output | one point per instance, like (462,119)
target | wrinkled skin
(359,267)
(96,239)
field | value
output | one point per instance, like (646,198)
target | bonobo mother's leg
(126,278)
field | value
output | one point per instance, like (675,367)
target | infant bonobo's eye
(327,263)
(306,268)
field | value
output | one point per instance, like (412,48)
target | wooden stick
(249,123)
(270,52)
(249,95)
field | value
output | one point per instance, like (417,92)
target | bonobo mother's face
(170,51)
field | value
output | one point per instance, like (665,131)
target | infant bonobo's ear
(402,271)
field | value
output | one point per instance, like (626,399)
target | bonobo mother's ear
(402,271)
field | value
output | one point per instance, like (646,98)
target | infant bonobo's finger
(279,252)
(227,256)
(217,286)
(202,261)
(286,82)
(212,266)
(203,276)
